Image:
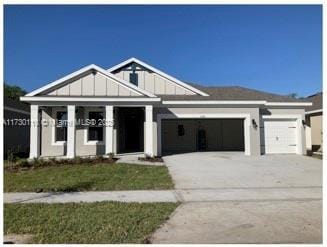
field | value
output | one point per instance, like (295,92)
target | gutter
(314,111)
(157,99)
(233,102)
(87,99)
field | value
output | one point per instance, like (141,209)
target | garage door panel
(172,142)
(232,135)
(213,129)
(221,135)
(280,136)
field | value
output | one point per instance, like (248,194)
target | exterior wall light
(254,123)
(303,122)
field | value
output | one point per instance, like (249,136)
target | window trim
(86,128)
(54,118)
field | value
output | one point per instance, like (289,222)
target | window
(95,129)
(181,130)
(133,78)
(61,126)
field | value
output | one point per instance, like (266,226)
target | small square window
(95,134)
(181,131)
(61,134)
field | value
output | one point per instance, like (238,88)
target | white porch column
(34,132)
(149,130)
(247,136)
(308,138)
(109,129)
(70,131)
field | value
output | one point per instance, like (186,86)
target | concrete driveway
(294,217)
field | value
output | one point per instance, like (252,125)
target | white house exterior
(140,109)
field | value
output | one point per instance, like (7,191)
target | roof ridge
(249,89)
(315,94)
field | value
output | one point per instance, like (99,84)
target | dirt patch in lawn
(17,238)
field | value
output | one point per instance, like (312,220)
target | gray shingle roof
(316,100)
(232,93)
(15,104)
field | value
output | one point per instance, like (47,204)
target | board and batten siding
(93,85)
(152,82)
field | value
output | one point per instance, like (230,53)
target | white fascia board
(288,104)
(126,84)
(61,80)
(86,99)
(122,64)
(282,116)
(314,111)
(213,102)
(159,72)
(233,102)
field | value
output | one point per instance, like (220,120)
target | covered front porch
(70,130)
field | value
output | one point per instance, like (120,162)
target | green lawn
(86,223)
(100,177)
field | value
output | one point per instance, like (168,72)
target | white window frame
(86,129)
(53,126)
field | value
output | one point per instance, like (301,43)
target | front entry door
(133,129)
(130,129)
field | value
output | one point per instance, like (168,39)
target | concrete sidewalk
(181,195)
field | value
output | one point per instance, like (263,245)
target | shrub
(36,163)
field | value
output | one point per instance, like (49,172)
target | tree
(13,92)
(293,95)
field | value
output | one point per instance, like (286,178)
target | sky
(276,49)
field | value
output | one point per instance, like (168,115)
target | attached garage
(279,136)
(191,135)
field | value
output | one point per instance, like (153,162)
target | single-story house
(137,108)
(16,131)
(313,118)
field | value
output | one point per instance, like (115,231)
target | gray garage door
(190,135)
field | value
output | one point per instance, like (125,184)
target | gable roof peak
(159,72)
(91,67)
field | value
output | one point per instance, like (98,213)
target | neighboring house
(313,117)
(16,127)
(156,113)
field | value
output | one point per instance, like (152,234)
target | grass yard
(101,177)
(86,223)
